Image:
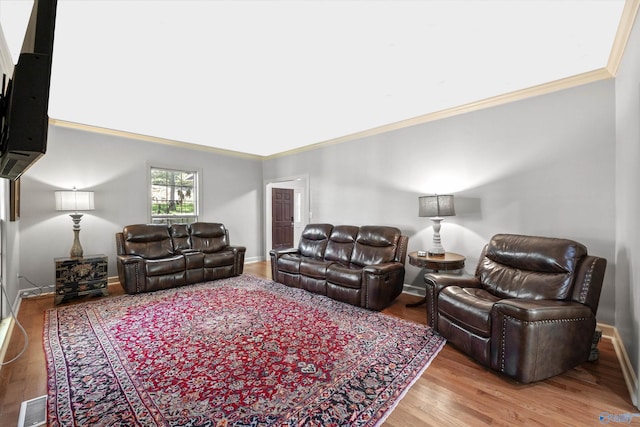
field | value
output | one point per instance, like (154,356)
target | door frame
(297,182)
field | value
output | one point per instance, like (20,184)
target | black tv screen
(25,100)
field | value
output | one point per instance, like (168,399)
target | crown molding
(629,13)
(542,89)
(140,137)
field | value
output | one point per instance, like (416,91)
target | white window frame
(172,219)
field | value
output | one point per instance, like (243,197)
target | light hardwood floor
(454,390)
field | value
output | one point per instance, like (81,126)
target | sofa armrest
(385,268)
(527,310)
(278,252)
(381,284)
(275,254)
(131,273)
(238,256)
(537,339)
(436,282)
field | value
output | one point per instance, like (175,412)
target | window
(174,196)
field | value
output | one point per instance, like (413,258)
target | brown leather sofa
(151,257)
(528,312)
(362,266)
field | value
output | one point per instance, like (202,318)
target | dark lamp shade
(436,206)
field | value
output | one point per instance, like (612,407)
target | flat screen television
(25,96)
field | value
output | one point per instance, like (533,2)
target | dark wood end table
(449,262)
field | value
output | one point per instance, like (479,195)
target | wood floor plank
(453,391)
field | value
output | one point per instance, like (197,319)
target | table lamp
(74,200)
(436,207)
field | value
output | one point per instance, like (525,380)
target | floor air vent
(33,412)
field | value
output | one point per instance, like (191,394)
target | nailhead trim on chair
(587,282)
(137,278)
(402,249)
(434,315)
(504,332)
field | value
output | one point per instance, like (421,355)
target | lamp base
(76,248)
(436,250)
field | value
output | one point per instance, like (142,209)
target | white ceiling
(264,77)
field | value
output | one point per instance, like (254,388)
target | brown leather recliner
(528,312)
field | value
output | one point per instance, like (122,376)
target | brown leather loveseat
(362,266)
(151,257)
(528,312)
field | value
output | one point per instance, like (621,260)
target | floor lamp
(436,207)
(75,201)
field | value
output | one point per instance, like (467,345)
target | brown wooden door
(281,218)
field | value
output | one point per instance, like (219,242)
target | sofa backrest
(341,243)
(151,241)
(208,237)
(314,239)
(516,266)
(180,236)
(376,244)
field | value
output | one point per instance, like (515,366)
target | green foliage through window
(173,196)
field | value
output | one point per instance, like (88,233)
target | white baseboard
(253,259)
(630,377)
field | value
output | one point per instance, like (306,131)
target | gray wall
(627,256)
(542,166)
(116,169)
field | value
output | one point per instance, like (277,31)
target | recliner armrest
(238,255)
(381,284)
(131,273)
(275,254)
(385,268)
(528,310)
(536,339)
(283,251)
(436,282)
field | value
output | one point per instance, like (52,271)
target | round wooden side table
(450,261)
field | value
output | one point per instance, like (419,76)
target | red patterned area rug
(234,352)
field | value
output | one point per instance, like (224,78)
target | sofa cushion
(349,276)
(515,266)
(313,241)
(208,237)
(316,268)
(289,263)
(341,242)
(219,259)
(468,307)
(375,245)
(167,265)
(150,241)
